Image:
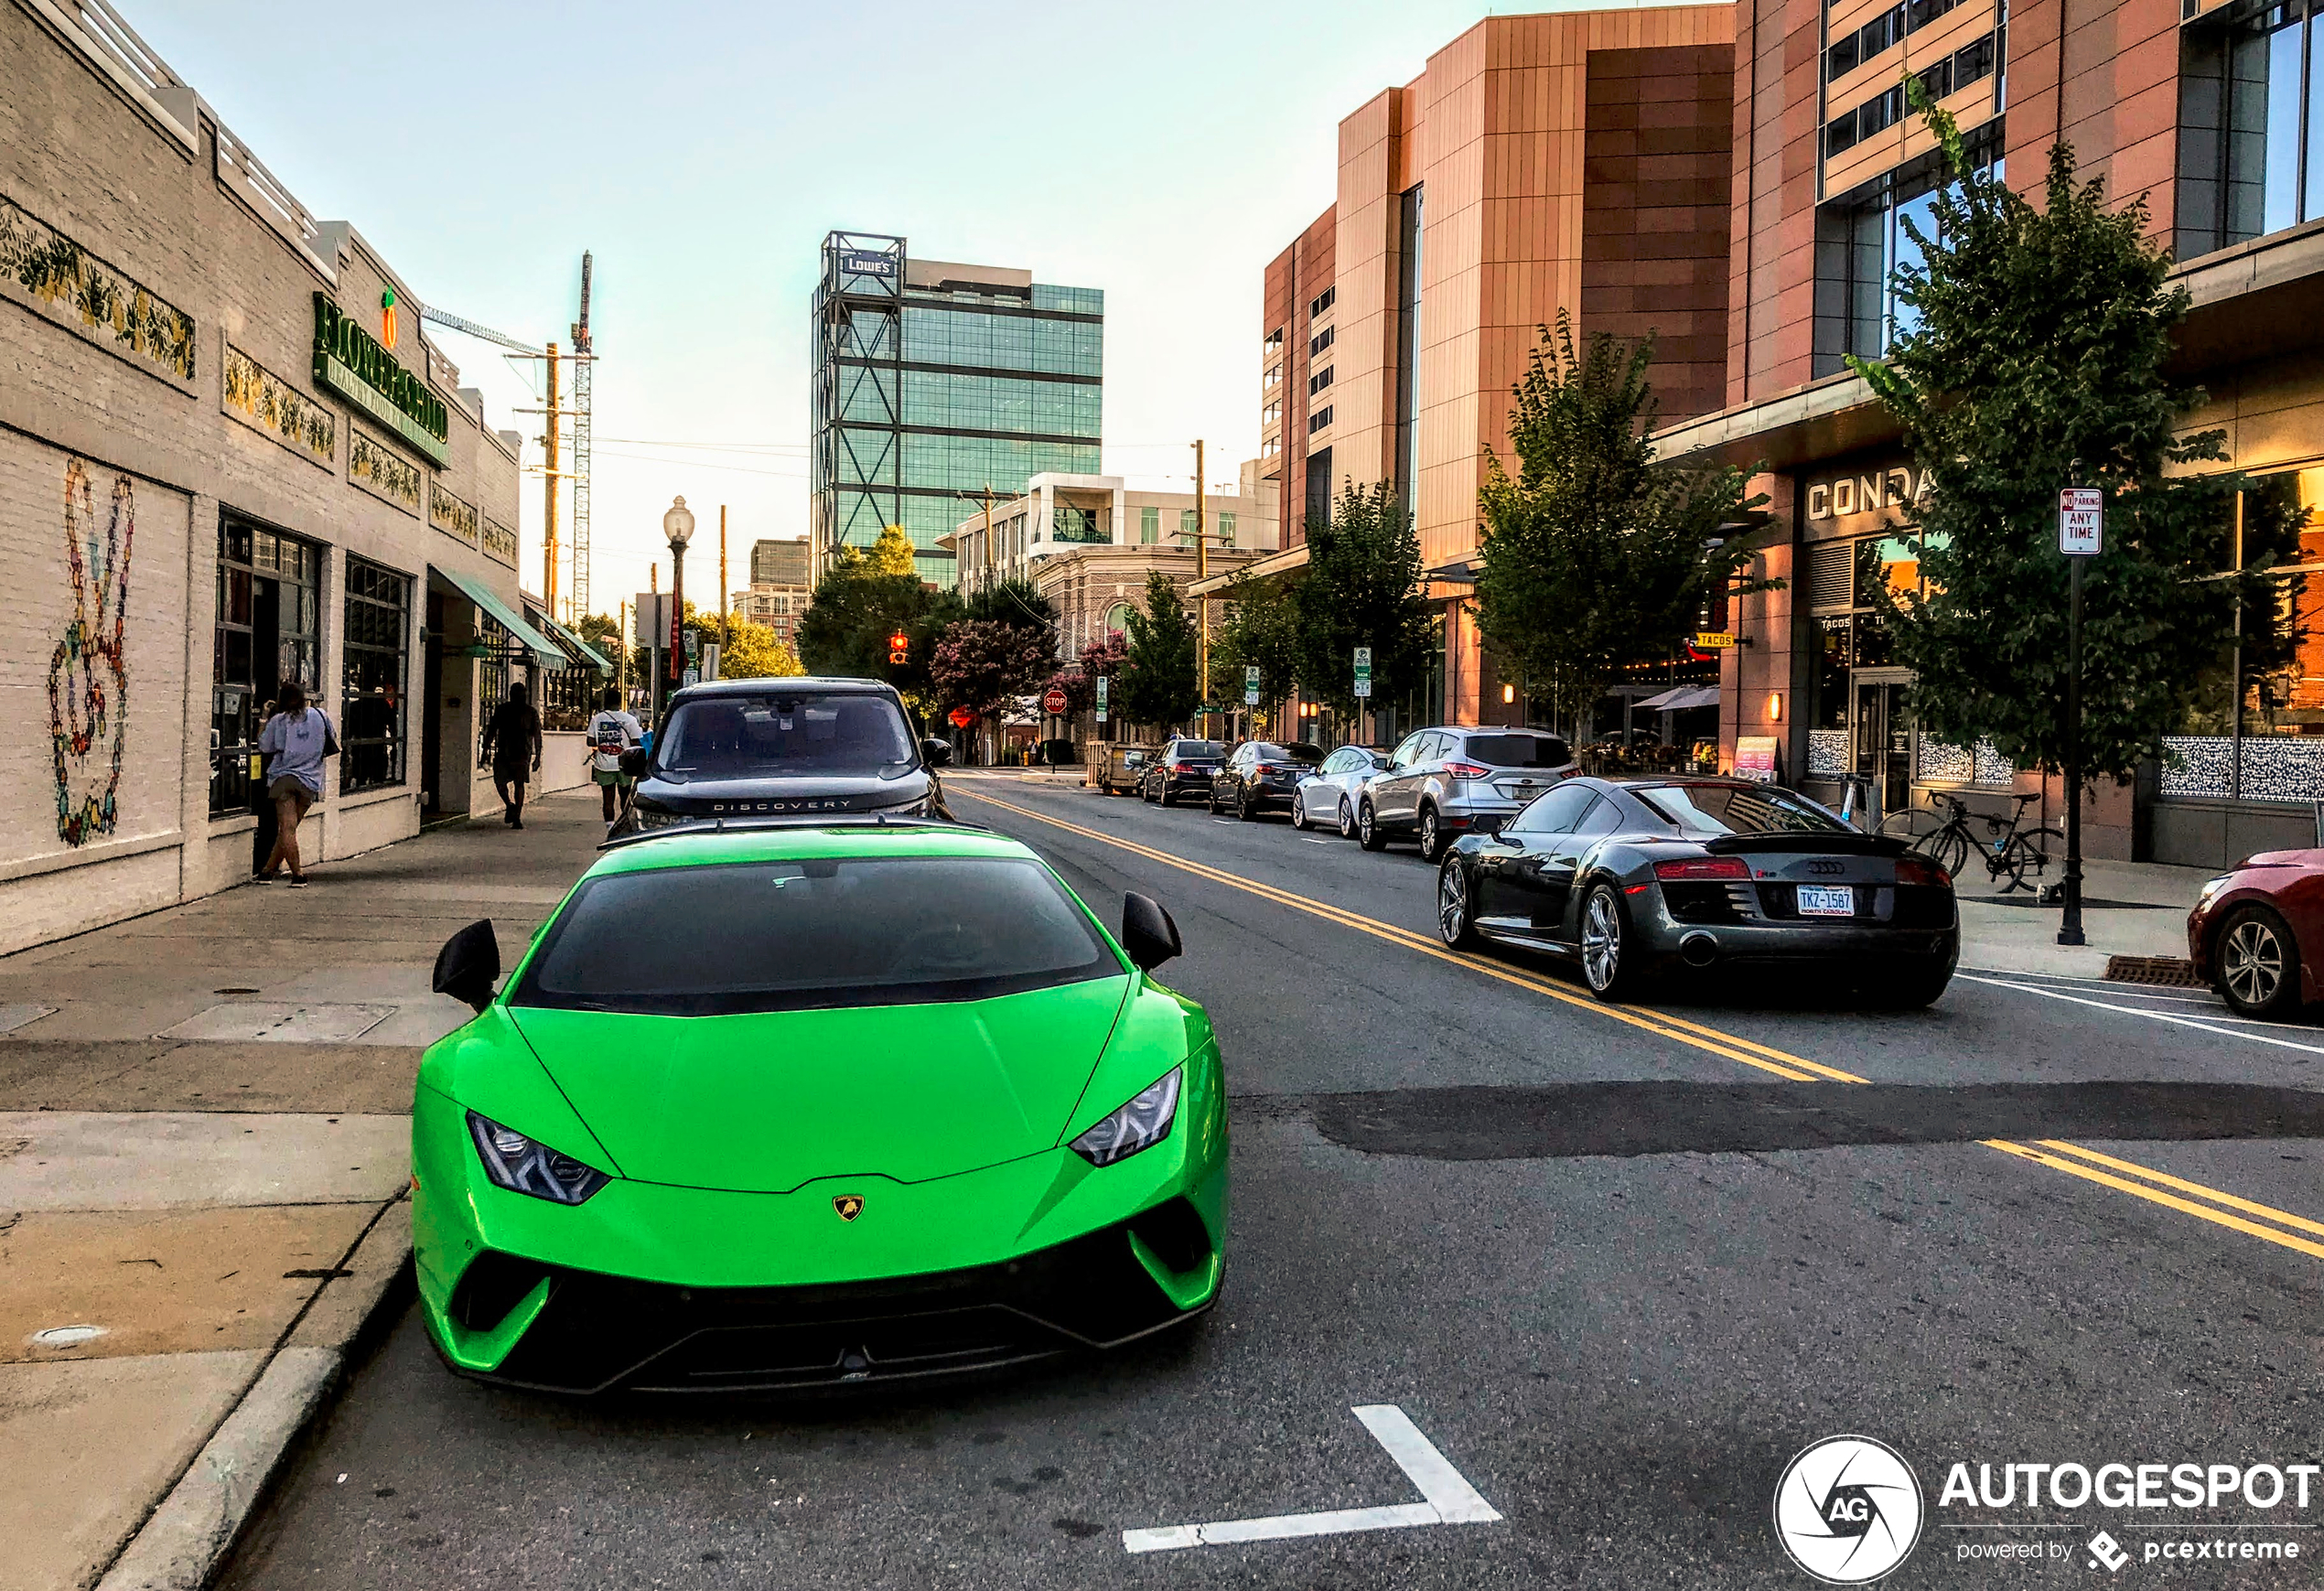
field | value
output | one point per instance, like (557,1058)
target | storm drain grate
(2171,972)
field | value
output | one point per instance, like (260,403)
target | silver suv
(1442,783)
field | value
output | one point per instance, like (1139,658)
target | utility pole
(621,655)
(653,685)
(725,638)
(549,494)
(1202,573)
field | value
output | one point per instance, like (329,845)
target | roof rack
(722,825)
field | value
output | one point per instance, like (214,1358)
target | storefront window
(491,676)
(374,666)
(269,629)
(2253,726)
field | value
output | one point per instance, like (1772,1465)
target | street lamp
(677,525)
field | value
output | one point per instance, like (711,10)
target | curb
(183,1541)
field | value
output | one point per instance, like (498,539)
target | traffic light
(899,648)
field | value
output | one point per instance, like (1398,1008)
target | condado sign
(351,362)
(1869,491)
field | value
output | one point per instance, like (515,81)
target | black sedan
(1261,775)
(1182,767)
(1640,879)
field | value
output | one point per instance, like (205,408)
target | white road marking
(2150,1015)
(1312,840)
(1451,1500)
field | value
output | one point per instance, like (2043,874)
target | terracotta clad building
(1578,161)
(2199,106)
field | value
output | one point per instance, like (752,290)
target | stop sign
(1054,702)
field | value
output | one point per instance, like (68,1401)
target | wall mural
(54,269)
(453,516)
(386,474)
(275,406)
(88,677)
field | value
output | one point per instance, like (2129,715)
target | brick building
(1577,161)
(228,458)
(2196,106)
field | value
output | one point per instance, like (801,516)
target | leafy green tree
(983,665)
(1595,556)
(1362,587)
(855,610)
(1015,601)
(2034,357)
(753,651)
(1157,683)
(892,553)
(1261,631)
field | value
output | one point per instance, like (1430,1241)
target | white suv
(1441,783)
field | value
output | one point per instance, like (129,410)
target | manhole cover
(67,1336)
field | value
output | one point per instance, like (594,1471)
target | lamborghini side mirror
(1147,932)
(469,965)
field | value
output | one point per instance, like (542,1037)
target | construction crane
(581,365)
(582,359)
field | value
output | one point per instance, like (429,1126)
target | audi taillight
(1701,867)
(1920,870)
(1468,771)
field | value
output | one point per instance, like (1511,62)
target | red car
(2252,929)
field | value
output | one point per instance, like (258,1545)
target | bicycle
(2006,848)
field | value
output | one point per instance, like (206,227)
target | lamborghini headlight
(521,1165)
(1140,1124)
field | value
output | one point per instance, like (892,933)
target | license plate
(1826,900)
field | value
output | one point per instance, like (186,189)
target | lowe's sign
(350,362)
(863,263)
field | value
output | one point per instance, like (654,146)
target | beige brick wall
(89,162)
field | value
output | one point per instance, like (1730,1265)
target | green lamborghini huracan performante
(803,1104)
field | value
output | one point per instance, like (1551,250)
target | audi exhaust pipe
(1699,949)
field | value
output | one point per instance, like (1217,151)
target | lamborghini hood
(764,1104)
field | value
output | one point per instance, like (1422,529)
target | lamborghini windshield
(819,933)
(780,733)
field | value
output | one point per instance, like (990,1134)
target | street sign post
(1251,687)
(692,677)
(1363,671)
(2082,522)
(2081,535)
(1101,698)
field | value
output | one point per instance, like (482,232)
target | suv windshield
(780,733)
(1518,751)
(797,936)
(1708,811)
(1196,748)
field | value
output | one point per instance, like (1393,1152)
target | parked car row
(1633,879)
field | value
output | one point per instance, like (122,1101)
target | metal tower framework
(858,399)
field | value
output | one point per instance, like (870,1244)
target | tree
(1362,587)
(2031,357)
(1157,683)
(892,554)
(854,611)
(754,652)
(1594,557)
(1015,601)
(1261,631)
(983,666)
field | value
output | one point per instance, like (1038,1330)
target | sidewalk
(204,1152)
(2129,908)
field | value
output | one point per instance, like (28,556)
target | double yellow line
(2159,1188)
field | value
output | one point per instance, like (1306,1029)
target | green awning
(550,654)
(573,643)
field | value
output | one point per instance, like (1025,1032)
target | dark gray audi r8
(1637,879)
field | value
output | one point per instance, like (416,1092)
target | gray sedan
(1640,879)
(1328,797)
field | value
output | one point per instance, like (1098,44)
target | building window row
(1319,420)
(1854,50)
(1323,301)
(1272,413)
(2251,134)
(1972,64)
(1320,380)
(374,666)
(1273,377)
(1322,340)
(1149,526)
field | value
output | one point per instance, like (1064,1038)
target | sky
(701,151)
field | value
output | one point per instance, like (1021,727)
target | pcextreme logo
(1848,1509)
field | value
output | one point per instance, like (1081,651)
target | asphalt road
(1616,1268)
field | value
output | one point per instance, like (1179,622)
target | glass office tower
(936,382)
